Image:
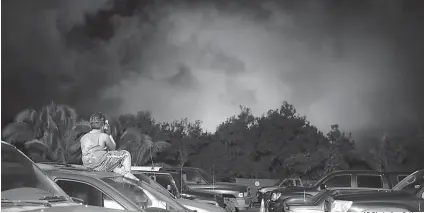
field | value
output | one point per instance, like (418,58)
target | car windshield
(159,184)
(20,177)
(279,182)
(208,178)
(162,182)
(413,183)
(318,182)
(320,195)
(138,192)
(179,183)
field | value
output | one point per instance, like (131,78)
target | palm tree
(141,146)
(54,126)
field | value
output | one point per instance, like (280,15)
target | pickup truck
(406,196)
(346,180)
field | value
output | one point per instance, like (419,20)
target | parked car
(347,180)
(320,202)
(190,204)
(406,196)
(24,187)
(109,189)
(166,180)
(283,183)
(197,180)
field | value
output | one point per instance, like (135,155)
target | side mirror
(169,187)
(77,200)
(322,186)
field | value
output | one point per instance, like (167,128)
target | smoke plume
(355,63)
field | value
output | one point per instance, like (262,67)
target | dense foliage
(277,144)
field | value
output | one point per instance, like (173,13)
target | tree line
(280,143)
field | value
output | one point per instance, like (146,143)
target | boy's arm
(108,141)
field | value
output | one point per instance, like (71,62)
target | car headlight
(275,196)
(241,194)
(341,205)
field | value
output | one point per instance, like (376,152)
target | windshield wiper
(21,202)
(54,198)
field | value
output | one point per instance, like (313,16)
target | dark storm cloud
(355,63)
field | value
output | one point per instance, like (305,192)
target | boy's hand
(107,129)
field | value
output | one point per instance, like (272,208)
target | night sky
(356,63)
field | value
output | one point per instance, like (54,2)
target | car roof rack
(146,168)
(67,166)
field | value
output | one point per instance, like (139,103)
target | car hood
(221,186)
(371,195)
(65,207)
(235,186)
(294,189)
(200,206)
(203,195)
(267,188)
(80,208)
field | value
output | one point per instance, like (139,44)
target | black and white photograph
(212,105)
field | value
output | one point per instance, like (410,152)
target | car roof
(356,171)
(179,168)
(73,169)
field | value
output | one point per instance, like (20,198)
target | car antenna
(153,164)
(213,176)
(181,176)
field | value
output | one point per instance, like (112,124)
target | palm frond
(17,132)
(159,146)
(36,145)
(28,116)
(132,134)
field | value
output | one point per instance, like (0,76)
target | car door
(90,194)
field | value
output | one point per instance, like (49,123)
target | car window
(339,181)
(192,177)
(298,183)
(111,204)
(369,181)
(415,187)
(401,177)
(18,172)
(181,185)
(160,188)
(89,194)
(168,183)
(409,183)
(143,194)
(287,183)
